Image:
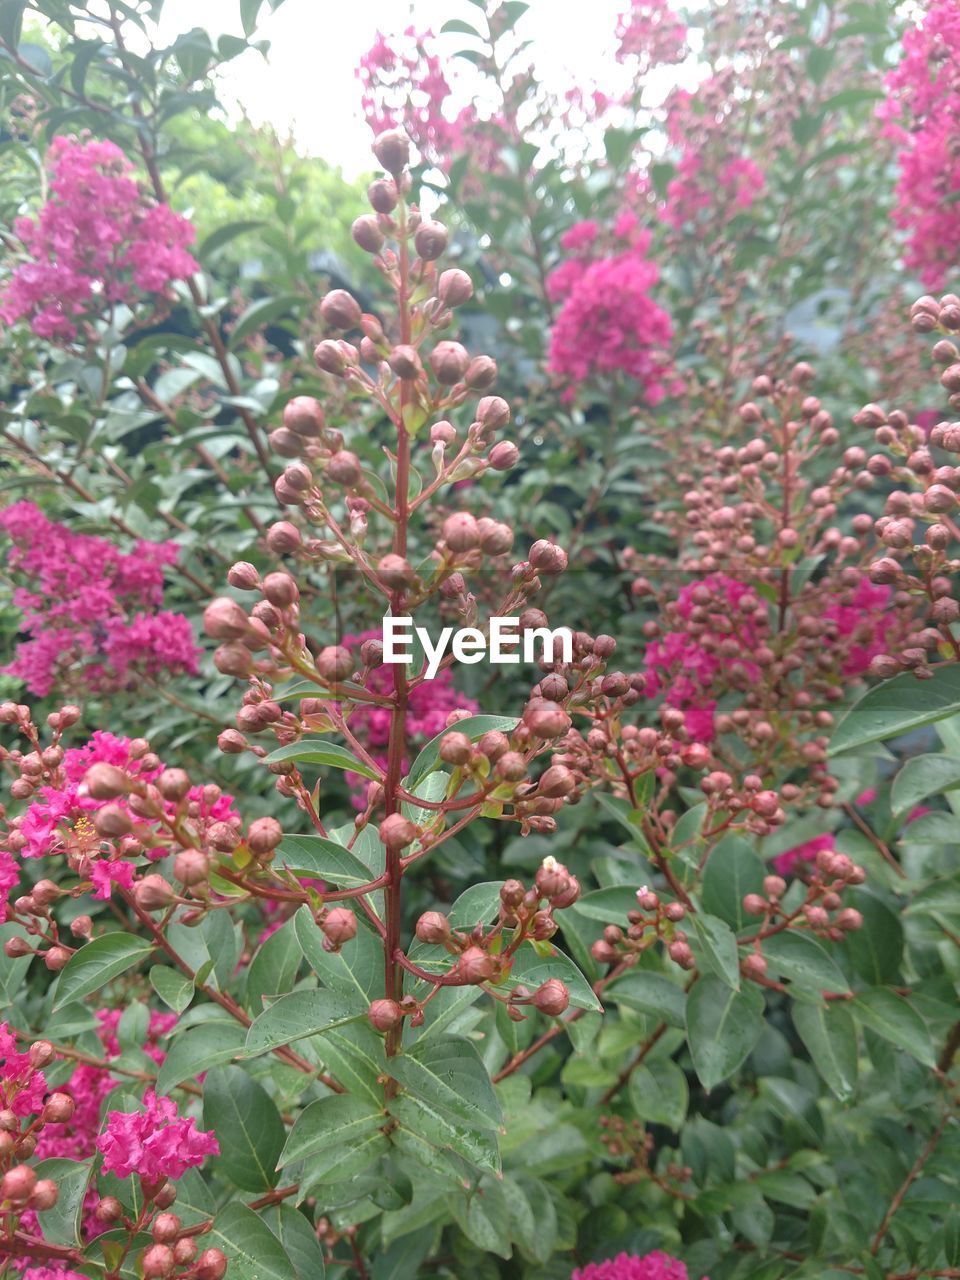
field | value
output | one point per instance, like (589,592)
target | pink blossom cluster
(650,32)
(96,242)
(922,114)
(866,621)
(58,821)
(712,177)
(22,1086)
(92,612)
(608,323)
(404,86)
(691,670)
(156,1143)
(629,1266)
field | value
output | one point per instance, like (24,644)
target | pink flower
(786,863)
(22,1087)
(628,1266)
(865,620)
(106,874)
(922,115)
(90,610)
(156,1143)
(95,242)
(652,33)
(609,324)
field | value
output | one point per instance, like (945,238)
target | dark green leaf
(314,855)
(253,1251)
(659,1093)
(921,777)
(61,1224)
(715,948)
(448,1075)
(339,1121)
(319,751)
(301,1013)
(830,1035)
(98,963)
(722,1027)
(804,961)
(248,1127)
(891,1017)
(174,988)
(898,706)
(197,1050)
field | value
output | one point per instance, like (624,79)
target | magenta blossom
(628,1266)
(22,1087)
(157,1143)
(95,243)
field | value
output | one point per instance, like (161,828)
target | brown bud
(392,149)
(404,360)
(454,287)
(153,893)
(263,835)
(283,537)
(546,719)
(58,1108)
(384,1015)
(480,373)
(397,832)
(224,619)
(334,663)
(367,234)
(460,532)
(430,240)
(382,194)
(504,455)
(18,1184)
(547,557)
(339,926)
(45,1194)
(449,361)
(475,965)
(191,866)
(551,998)
(280,589)
(341,310)
(343,468)
(433,927)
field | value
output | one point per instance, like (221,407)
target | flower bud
(304,415)
(382,194)
(449,361)
(460,532)
(384,1015)
(334,663)
(281,590)
(243,576)
(328,356)
(404,360)
(165,1227)
(105,781)
(224,619)
(58,1108)
(339,926)
(112,821)
(45,1194)
(18,1184)
(480,373)
(557,781)
(367,234)
(282,538)
(394,572)
(263,835)
(455,748)
(551,998)
(341,310)
(754,904)
(109,1210)
(233,659)
(504,455)
(343,468)
(475,965)
(546,719)
(754,965)
(392,149)
(547,557)
(433,927)
(191,866)
(454,287)
(153,893)
(430,240)
(231,742)
(397,832)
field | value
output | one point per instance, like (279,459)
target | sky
(308,83)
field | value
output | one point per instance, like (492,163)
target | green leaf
(174,988)
(447,1073)
(314,855)
(248,1127)
(459,27)
(335,1122)
(249,12)
(477,905)
(891,1017)
(61,1224)
(198,1049)
(223,235)
(898,706)
(273,969)
(262,312)
(301,1013)
(804,961)
(531,969)
(715,948)
(299,1239)
(319,751)
(659,1093)
(483,1217)
(356,970)
(355,1055)
(98,963)
(253,1251)
(921,777)
(733,870)
(830,1035)
(722,1027)
(875,949)
(473,726)
(650,993)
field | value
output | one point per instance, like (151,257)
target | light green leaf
(715,947)
(319,751)
(891,1017)
(921,777)
(174,988)
(650,993)
(722,1027)
(197,1050)
(898,706)
(804,961)
(98,963)
(299,1014)
(338,1121)
(447,1073)
(61,1224)
(248,1127)
(659,1093)
(253,1251)
(314,855)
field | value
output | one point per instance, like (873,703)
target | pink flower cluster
(404,86)
(608,323)
(691,670)
(651,33)
(428,710)
(92,612)
(22,1086)
(710,177)
(922,114)
(157,1143)
(95,242)
(865,620)
(629,1266)
(58,820)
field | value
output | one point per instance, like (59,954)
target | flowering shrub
(637,960)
